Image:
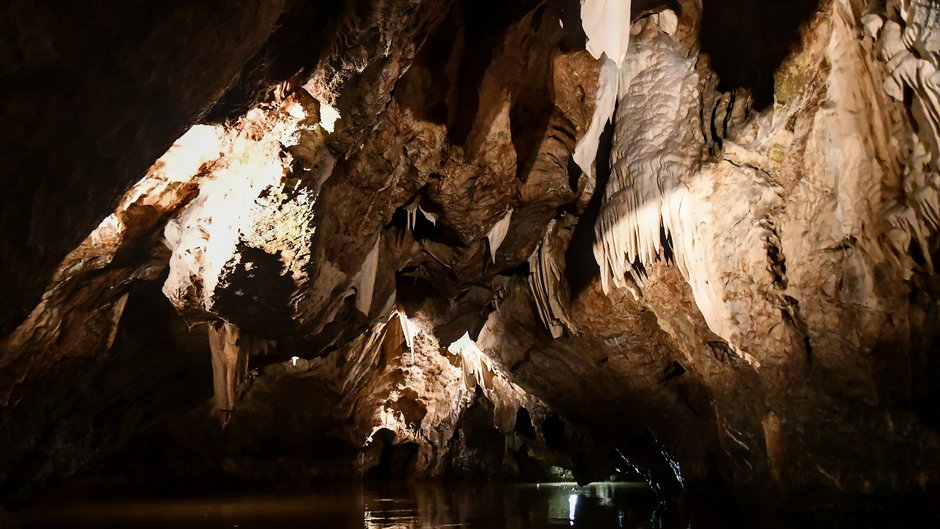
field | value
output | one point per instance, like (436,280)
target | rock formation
(693,240)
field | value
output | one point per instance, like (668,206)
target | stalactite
(408,330)
(604,103)
(229,367)
(546,279)
(412,210)
(907,33)
(420,392)
(910,47)
(478,370)
(432,218)
(655,151)
(365,281)
(607,26)
(497,233)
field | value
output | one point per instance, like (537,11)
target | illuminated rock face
(794,227)
(407,285)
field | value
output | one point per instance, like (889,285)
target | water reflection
(602,505)
(388,505)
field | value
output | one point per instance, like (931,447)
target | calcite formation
(404,243)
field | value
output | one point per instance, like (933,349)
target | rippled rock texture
(689,242)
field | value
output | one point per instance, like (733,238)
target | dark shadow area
(395,459)
(748,39)
(553,429)
(580,266)
(444,81)
(284,434)
(257,293)
(925,363)
(444,84)
(484,23)
(425,88)
(412,290)
(155,368)
(523,425)
(68,152)
(481,448)
(674,370)
(294,47)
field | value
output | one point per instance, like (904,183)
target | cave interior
(290,245)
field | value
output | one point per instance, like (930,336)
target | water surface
(388,505)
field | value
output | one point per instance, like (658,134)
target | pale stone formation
(607,26)
(546,278)
(605,101)
(794,234)
(251,202)
(365,280)
(398,377)
(909,44)
(908,41)
(497,233)
(659,183)
(655,151)
(229,366)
